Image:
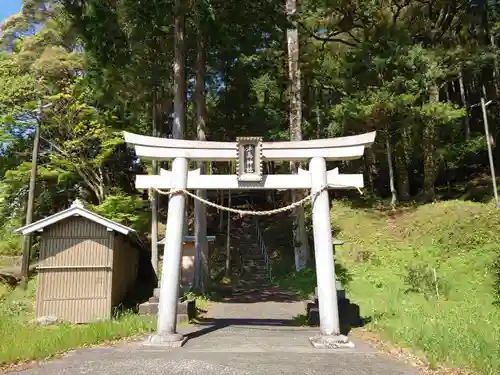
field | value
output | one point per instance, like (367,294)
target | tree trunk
(221,213)
(495,65)
(394,195)
(429,149)
(319,129)
(400,156)
(179,116)
(179,122)
(371,168)
(300,244)
(200,211)
(465,104)
(489,73)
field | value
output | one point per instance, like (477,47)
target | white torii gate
(249,152)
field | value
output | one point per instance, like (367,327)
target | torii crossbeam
(249,152)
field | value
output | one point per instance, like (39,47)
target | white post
(169,291)
(325,267)
(154,224)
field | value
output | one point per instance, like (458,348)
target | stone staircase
(254,268)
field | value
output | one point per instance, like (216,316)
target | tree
(300,242)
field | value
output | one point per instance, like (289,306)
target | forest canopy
(83,71)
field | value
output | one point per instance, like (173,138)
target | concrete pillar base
(331,342)
(170,340)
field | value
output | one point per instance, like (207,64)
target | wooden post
(25,262)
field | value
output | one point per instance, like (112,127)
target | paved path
(249,333)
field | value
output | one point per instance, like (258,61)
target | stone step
(255,279)
(254,283)
(259,262)
(253,255)
(254,261)
(253,264)
(253,272)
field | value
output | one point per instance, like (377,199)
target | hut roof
(76,209)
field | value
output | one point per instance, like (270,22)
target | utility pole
(490,154)
(31,198)
(483,105)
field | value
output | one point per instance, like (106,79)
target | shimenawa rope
(310,197)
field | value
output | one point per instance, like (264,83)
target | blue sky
(9,7)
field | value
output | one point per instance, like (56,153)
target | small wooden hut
(88,264)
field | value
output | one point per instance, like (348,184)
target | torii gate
(249,152)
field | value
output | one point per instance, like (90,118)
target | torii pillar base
(169,340)
(331,342)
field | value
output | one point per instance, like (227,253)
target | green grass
(302,283)
(392,258)
(23,341)
(4,290)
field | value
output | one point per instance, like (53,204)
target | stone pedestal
(186,309)
(349,314)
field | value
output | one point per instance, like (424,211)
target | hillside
(424,277)
(392,256)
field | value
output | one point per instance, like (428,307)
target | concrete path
(249,333)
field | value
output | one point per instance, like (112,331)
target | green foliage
(5,289)
(304,282)
(129,210)
(422,278)
(10,244)
(496,283)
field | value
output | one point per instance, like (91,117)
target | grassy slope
(390,261)
(387,255)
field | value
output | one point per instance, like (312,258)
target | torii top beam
(341,148)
